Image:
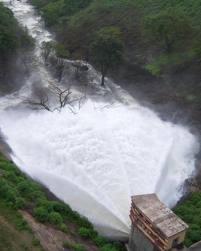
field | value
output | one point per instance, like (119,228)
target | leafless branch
(63,97)
(42,103)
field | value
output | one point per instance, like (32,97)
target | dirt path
(50,239)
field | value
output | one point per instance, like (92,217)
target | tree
(72,6)
(42,101)
(8,36)
(170,27)
(107,49)
(47,50)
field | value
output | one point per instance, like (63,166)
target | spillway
(96,158)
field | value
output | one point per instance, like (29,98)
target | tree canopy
(8,36)
(170,27)
(107,49)
(11,35)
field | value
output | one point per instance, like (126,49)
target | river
(98,156)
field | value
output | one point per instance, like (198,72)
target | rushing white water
(98,157)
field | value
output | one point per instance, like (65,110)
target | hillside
(161,41)
(14,46)
(156,56)
(14,232)
(29,214)
(161,58)
(148,40)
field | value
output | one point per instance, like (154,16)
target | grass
(17,191)
(15,235)
(190,211)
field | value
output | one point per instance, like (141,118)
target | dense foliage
(169,29)
(190,211)
(14,45)
(11,35)
(107,49)
(17,191)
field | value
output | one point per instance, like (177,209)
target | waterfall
(97,157)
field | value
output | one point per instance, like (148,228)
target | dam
(103,152)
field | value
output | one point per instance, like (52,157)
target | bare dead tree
(63,98)
(40,104)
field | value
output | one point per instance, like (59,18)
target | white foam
(97,158)
(107,154)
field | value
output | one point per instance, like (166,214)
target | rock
(80,66)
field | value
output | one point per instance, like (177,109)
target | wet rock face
(80,66)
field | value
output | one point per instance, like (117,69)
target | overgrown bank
(161,46)
(18,192)
(190,211)
(160,57)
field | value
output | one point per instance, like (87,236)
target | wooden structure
(155,225)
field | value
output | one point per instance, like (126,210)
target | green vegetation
(157,27)
(190,211)
(107,49)
(11,35)
(15,234)
(49,48)
(170,27)
(14,44)
(17,191)
(56,12)
(74,246)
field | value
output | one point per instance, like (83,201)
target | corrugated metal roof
(161,216)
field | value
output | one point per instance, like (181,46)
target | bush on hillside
(41,214)
(87,233)
(55,218)
(190,211)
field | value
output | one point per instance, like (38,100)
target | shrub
(61,51)
(87,233)
(63,228)
(35,242)
(36,195)
(19,203)
(11,177)
(108,247)
(48,205)
(154,69)
(74,246)
(189,211)
(24,188)
(81,221)
(67,244)
(21,224)
(41,214)
(10,195)
(3,187)
(100,241)
(79,247)
(55,218)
